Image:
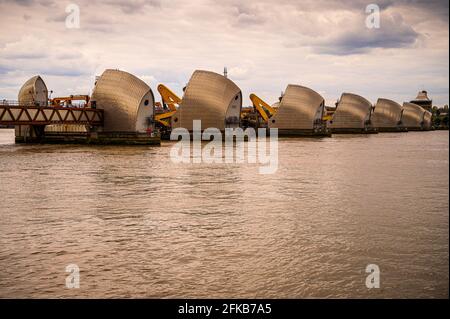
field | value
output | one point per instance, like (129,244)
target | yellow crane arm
(328,114)
(261,106)
(162,118)
(168,97)
(57,100)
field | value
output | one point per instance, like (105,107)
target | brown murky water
(138,225)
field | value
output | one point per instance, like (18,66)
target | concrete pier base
(354,131)
(93,138)
(392,129)
(418,129)
(303,133)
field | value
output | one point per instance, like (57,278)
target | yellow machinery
(169,99)
(68,100)
(264,109)
(163,118)
(328,114)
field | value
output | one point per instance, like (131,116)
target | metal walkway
(15,114)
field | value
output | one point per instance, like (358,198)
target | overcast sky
(266,44)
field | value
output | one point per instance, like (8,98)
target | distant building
(423,100)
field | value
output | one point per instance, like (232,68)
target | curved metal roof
(387,113)
(427,120)
(352,111)
(211,98)
(33,92)
(127,102)
(300,108)
(276,105)
(413,115)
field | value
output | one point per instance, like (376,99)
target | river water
(138,225)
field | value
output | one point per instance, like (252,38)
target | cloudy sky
(266,44)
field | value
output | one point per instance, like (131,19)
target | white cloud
(265,44)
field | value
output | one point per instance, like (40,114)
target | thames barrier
(123,110)
(224,159)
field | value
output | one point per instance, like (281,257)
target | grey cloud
(19,2)
(89,21)
(30,55)
(47,3)
(69,72)
(393,33)
(100,28)
(438,8)
(163,74)
(28,3)
(68,55)
(102,24)
(59,17)
(5,69)
(249,19)
(133,6)
(164,41)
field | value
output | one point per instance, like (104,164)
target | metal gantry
(15,114)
